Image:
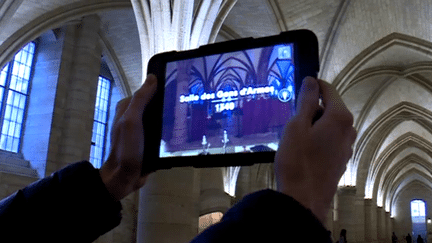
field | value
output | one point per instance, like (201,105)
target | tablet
(225,104)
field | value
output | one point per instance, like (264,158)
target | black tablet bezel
(306,63)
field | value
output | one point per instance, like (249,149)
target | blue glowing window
(100,122)
(418,218)
(418,209)
(14,91)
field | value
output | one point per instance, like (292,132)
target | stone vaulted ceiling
(378,53)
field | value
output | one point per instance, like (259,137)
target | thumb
(308,102)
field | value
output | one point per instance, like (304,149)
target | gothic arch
(220,19)
(386,181)
(193,28)
(413,178)
(390,74)
(361,69)
(379,166)
(345,78)
(7,10)
(358,123)
(368,144)
(392,71)
(52,20)
(115,67)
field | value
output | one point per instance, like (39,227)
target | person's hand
(121,173)
(312,156)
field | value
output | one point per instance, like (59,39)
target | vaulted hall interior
(65,64)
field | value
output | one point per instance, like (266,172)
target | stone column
(169,201)
(169,206)
(72,123)
(329,220)
(213,197)
(381,222)
(250,179)
(359,219)
(428,227)
(336,230)
(243,185)
(346,212)
(370,221)
(177,24)
(258,177)
(398,234)
(389,229)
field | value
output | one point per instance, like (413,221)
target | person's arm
(71,205)
(79,203)
(312,155)
(309,163)
(121,173)
(266,216)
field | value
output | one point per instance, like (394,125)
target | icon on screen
(284,52)
(285,95)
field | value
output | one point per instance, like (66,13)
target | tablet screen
(236,102)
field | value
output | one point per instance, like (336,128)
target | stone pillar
(177,24)
(213,197)
(168,206)
(389,229)
(329,220)
(258,176)
(381,222)
(72,123)
(393,225)
(359,219)
(243,185)
(428,227)
(336,230)
(346,212)
(252,178)
(370,221)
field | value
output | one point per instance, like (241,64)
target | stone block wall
(10,183)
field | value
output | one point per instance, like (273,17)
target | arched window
(14,91)
(97,153)
(418,217)
(208,220)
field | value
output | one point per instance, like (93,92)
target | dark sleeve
(71,205)
(266,216)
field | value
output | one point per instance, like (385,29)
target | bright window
(418,217)
(418,208)
(100,122)
(14,91)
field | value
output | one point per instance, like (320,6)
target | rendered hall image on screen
(228,103)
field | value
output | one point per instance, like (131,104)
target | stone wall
(10,183)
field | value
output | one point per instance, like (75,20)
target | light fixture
(429,221)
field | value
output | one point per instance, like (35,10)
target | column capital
(177,25)
(369,202)
(347,190)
